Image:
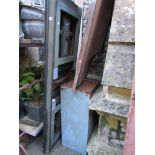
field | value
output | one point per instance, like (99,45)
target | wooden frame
(99,16)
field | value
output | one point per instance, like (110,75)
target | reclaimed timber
(29,129)
(30,43)
(99,18)
(60,81)
(28,122)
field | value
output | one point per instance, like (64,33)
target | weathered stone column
(112,100)
(119,65)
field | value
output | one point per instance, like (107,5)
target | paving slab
(36,148)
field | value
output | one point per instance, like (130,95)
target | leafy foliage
(37,89)
(34,92)
(27,78)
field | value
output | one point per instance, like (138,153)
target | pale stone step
(115,107)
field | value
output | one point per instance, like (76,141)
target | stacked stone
(112,100)
(111,131)
(108,137)
(119,65)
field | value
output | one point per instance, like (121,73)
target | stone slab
(31,130)
(99,103)
(36,148)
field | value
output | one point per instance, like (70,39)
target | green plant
(32,88)
(26,78)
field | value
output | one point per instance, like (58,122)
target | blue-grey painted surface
(75,119)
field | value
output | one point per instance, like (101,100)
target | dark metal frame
(70,8)
(52,25)
(49,48)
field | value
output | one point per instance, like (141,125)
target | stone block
(110,134)
(119,91)
(119,66)
(117,94)
(123,22)
(113,133)
(122,136)
(123,130)
(117,143)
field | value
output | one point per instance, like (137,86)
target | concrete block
(76,119)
